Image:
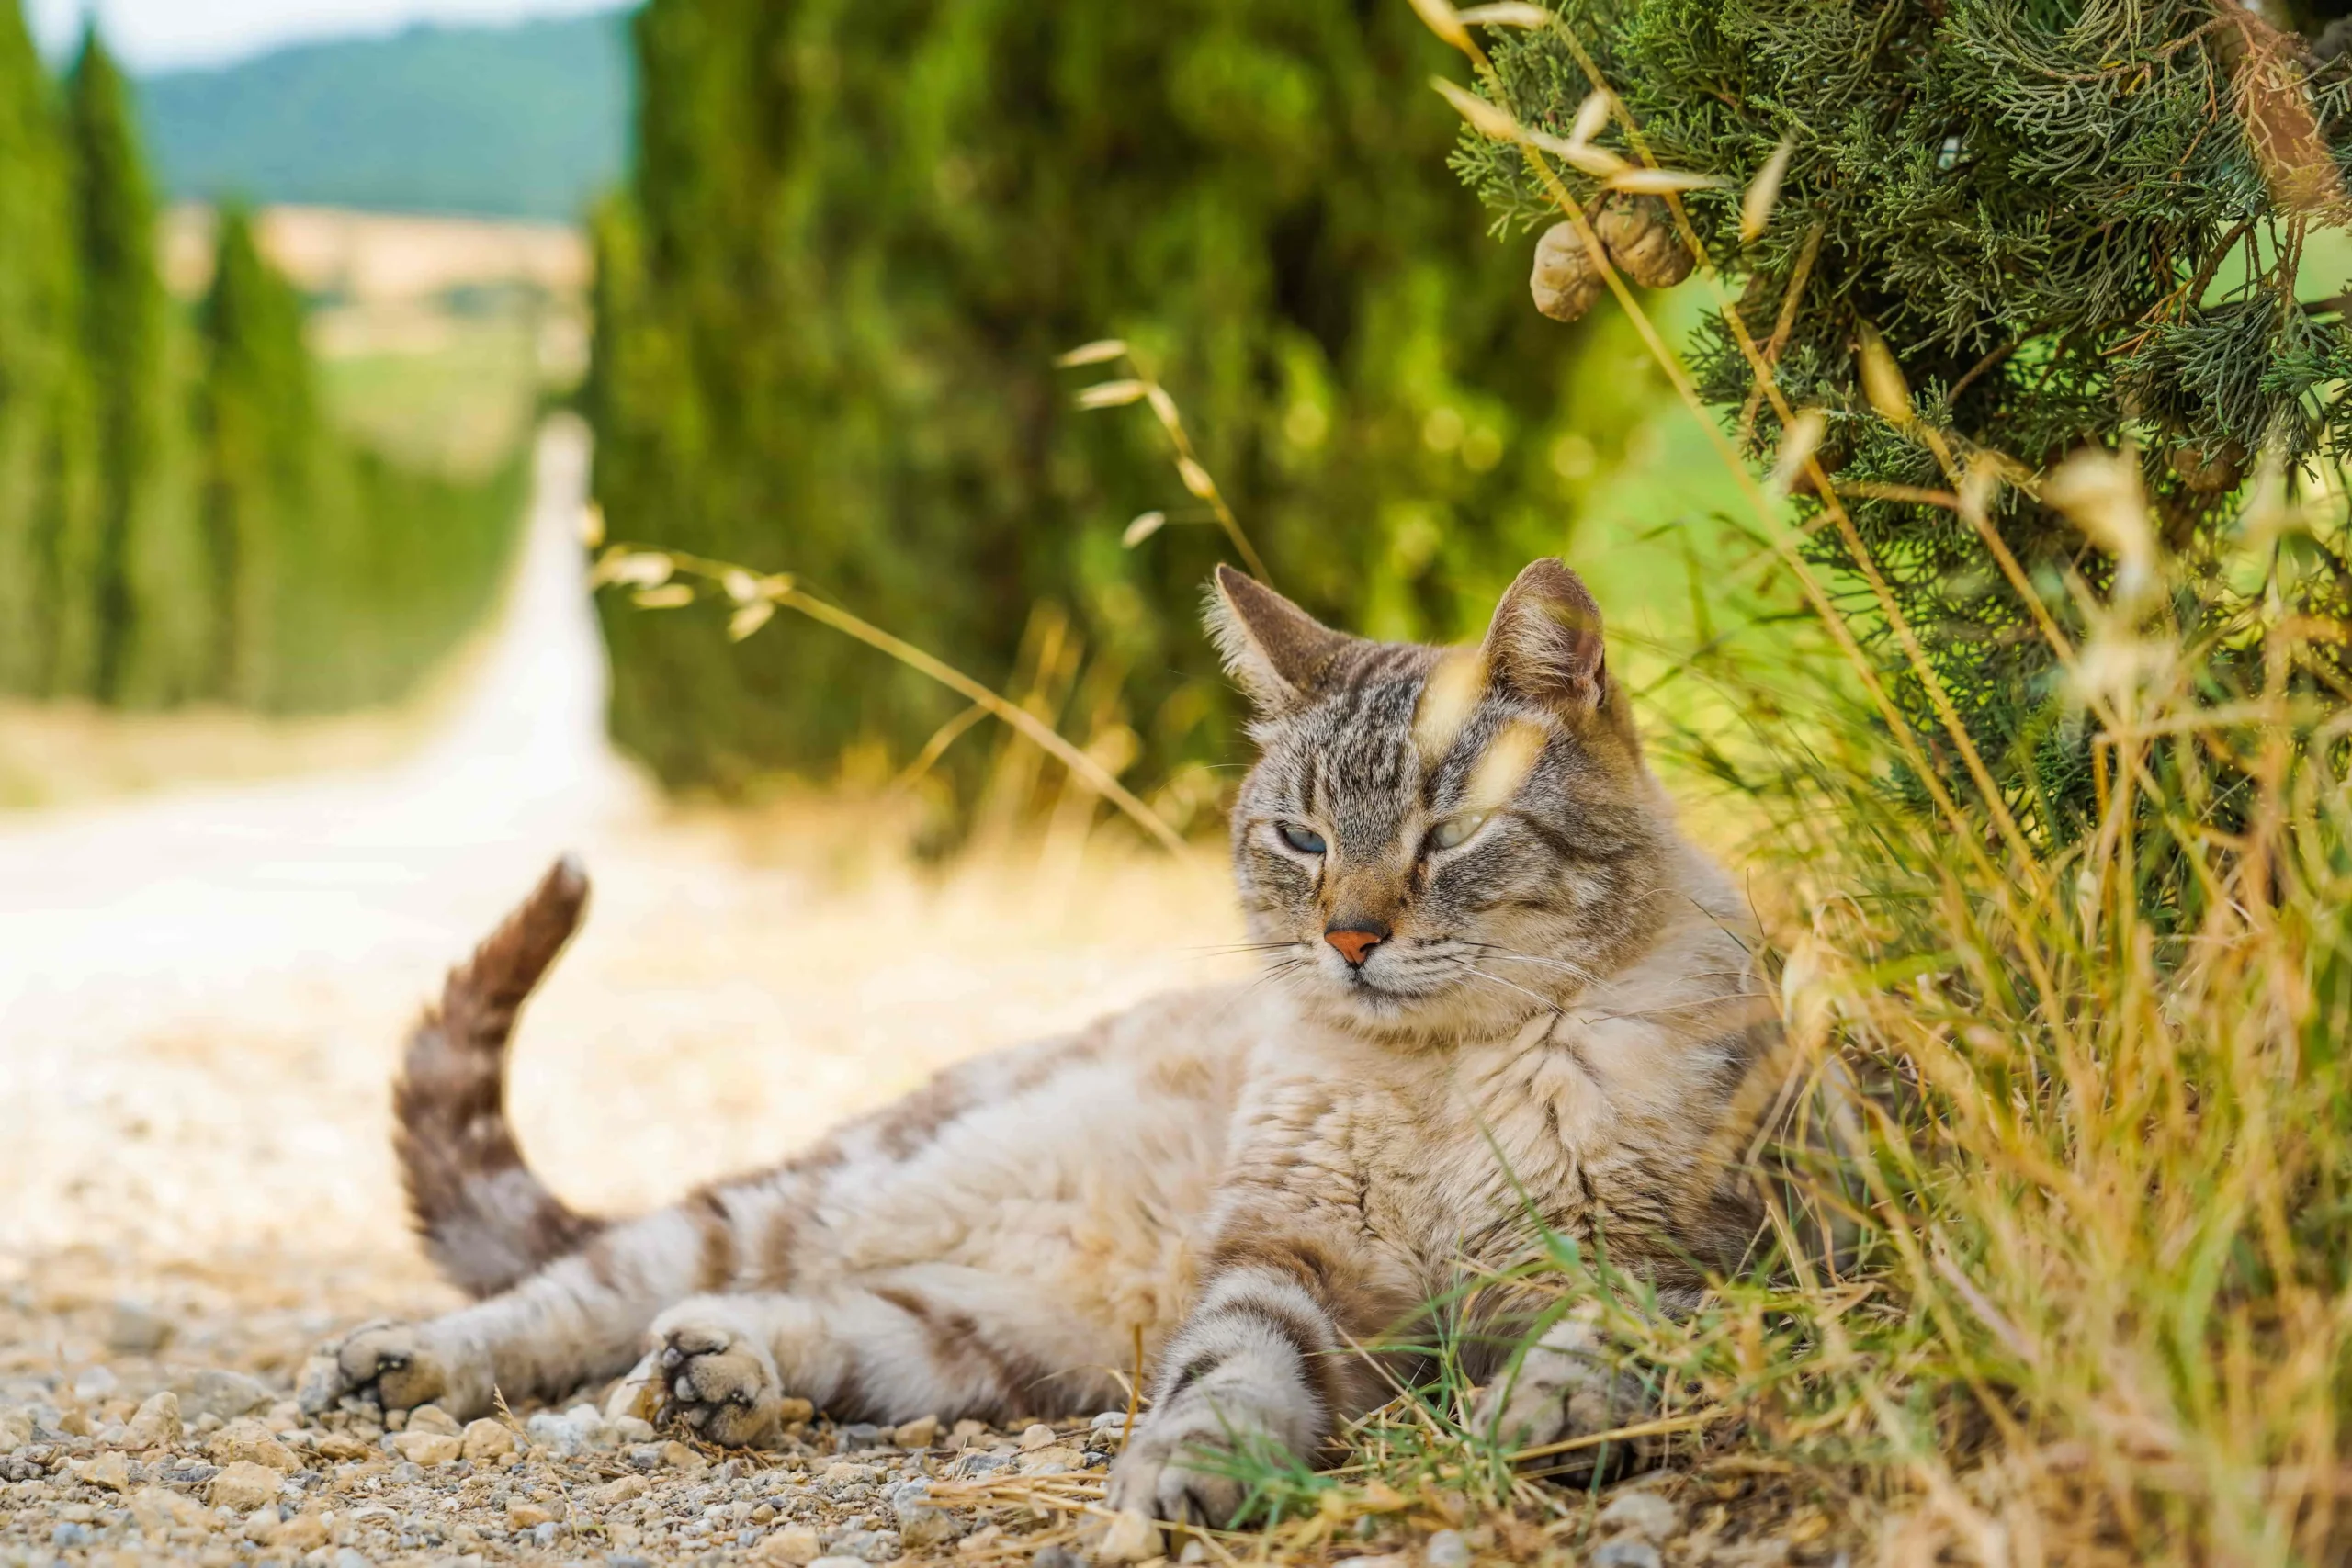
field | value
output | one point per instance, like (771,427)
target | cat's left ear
(1275,652)
(1545,643)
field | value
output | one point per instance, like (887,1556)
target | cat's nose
(1355,943)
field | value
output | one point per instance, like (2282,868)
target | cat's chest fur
(1595,1121)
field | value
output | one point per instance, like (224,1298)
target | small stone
(838,1562)
(868,1545)
(1625,1552)
(427,1449)
(919,1433)
(1131,1536)
(1446,1549)
(1052,1459)
(111,1470)
(628,1489)
(347,1558)
(486,1441)
(543,1536)
(1037,1436)
(631,1429)
(1195,1550)
(791,1408)
(433,1418)
(304,1532)
(244,1486)
(527,1516)
(95,1384)
(342,1448)
(1056,1557)
(246,1438)
(1109,1421)
(157,1422)
(795,1546)
(16,1429)
(845,1473)
(1643,1512)
(225,1394)
(861,1434)
(677,1456)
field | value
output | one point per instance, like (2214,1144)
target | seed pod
(2209,471)
(1639,233)
(1564,281)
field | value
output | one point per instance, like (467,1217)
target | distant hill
(530,120)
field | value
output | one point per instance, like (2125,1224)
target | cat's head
(1441,840)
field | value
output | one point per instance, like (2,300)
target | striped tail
(485,1220)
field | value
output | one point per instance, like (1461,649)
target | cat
(1503,999)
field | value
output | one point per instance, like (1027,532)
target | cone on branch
(1637,232)
(1564,281)
(2210,470)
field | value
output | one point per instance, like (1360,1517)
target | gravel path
(201,1001)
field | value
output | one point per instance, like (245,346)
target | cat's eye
(1456,831)
(1306,841)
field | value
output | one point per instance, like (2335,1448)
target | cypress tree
(150,583)
(856,239)
(49,525)
(259,459)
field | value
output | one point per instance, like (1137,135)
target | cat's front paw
(384,1364)
(716,1378)
(1182,1466)
(1568,1387)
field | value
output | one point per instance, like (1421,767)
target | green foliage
(529,120)
(339,576)
(2059,219)
(50,529)
(858,237)
(151,585)
(179,519)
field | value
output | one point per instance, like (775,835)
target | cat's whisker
(1547,1003)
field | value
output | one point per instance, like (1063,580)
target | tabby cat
(1501,997)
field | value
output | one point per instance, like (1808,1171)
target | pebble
(1642,1512)
(433,1418)
(1037,1436)
(1446,1549)
(1131,1536)
(427,1448)
(487,1441)
(111,1470)
(919,1433)
(246,1440)
(156,1424)
(839,1563)
(244,1485)
(224,1395)
(795,1545)
(1056,1557)
(1626,1550)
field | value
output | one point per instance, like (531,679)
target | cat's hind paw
(717,1378)
(382,1364)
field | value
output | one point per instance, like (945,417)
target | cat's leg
(931,1341)
(580,1318)
(1266,1357)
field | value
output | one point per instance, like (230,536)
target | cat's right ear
(1275,652)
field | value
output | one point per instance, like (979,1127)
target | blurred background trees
(178,521)
(826,314)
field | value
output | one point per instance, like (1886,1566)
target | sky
(162,35)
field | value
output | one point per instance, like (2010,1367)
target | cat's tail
(485,1220)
